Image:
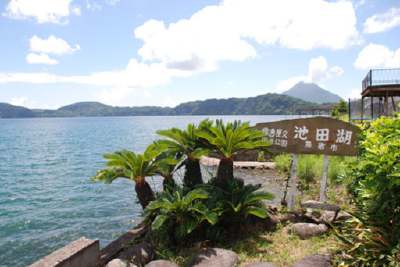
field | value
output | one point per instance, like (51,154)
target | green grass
(281,247)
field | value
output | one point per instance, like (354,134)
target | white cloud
(112,2)
(376,56)
(51,45)
(123,96)
(95,5)
(318,71)
(229,30)
(114,96)
(360,3)
(383,22)
(353,93)
(19,101)
(43,11)
(33,58)
(135,75)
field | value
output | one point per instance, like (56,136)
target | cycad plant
(167,167)
(237,201)
(177,214)
(186,144)
(228,140)
(135,167)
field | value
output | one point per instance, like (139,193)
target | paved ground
(270,180)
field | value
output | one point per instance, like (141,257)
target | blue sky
(164,52)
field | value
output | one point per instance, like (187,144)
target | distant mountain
(312,93)
(10,111)
(268,104)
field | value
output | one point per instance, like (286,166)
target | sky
(165,52)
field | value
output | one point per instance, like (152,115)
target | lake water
(46,196)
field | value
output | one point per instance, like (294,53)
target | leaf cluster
(375,188)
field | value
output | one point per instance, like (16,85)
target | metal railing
(381,77)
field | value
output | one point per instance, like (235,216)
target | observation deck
(381,82)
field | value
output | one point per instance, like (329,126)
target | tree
(228,140)
(186,144)
(340,109)
(135,167)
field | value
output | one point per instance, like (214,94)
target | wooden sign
(316,135)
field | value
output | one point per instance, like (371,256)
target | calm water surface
(46,196)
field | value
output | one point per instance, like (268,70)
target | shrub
(239,201)
(207,212)
(308,170)
(376,189)
(283,162)
(177,214)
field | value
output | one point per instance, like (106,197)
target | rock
(312,204)
(161,263)
(120,263)
(329,216)
(260,264)
(307,230)
(139,254)
(215,257)
(112,250)
(314,261)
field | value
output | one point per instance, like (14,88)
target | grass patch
(259,245)
(281,248)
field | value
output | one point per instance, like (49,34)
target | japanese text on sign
(320,135)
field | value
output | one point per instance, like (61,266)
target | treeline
(268,104)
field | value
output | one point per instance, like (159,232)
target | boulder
(307,230)
(161,263)
(260,264)
(312,204)
(314,261)
(139,254)
(120,263)
(329,216)
(214,257)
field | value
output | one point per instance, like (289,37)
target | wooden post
(324,179)
(293,183)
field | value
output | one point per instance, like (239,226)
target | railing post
(372,108)
(362,108)
(349,109)
(370,77)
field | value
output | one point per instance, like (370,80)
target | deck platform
(383,84)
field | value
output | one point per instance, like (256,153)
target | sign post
(316,135)
(324,179)
(293,183)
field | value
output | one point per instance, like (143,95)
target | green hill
(10,111)
(267,104)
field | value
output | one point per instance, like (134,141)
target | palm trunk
(144,192)
(225,170)
(192,175)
